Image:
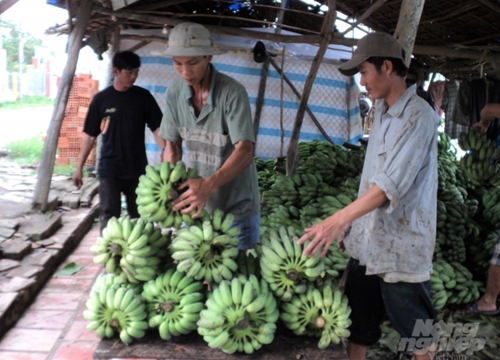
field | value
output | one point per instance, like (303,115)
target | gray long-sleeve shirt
(396,240)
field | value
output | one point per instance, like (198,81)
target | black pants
(110,191)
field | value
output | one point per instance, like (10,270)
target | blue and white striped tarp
(333,99)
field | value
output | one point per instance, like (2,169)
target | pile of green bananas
(465,290)
(335,261)
(104,279)
(284,266)
(481,249)
(452,231)
(281,215)
(131,248)
(240,315)
(248,263)
(440,273)
(479,163)
(207,252)
(319,313)
(114,309)
(491,203)
(156,190)
(473,140)
(451,284)
(173,303)
(330,204)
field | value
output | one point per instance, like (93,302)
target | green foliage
(11,45)
(27,101)
(66,170)
(27,151)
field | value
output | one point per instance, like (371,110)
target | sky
(35,17)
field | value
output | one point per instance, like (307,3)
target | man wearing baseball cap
(393,221)
(208,113)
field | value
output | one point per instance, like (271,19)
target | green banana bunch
(284,266)
(240,315)
(480,162)
(335,261)
(207,252)
(465,290)
(107,279)
(132,249)
(481,247)
(248,263)
(322,313)
(173,303)
(439,294)
(114,309)
(491,210)
(156,190)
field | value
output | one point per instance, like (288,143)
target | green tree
(11,44)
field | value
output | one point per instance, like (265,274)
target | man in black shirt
(120,113)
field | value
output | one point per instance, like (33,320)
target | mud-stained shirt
(396,241)
(208,139)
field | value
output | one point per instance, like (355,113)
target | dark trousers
(110,191)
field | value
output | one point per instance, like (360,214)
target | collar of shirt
(188,90)
(400,104)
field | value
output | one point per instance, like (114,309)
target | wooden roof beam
(170,21)
(6,4)
(452,14)
(493,6)
(366,15)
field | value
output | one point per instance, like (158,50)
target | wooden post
(46,168)
(296,92)
(407,27)
(260,99)
(326,35)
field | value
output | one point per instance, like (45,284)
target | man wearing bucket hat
(392,224)
(208,113)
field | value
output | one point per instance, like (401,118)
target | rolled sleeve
(389,188)
(168,128)
(406,158)
(239,116)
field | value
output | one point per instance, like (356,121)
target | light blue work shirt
(396,241)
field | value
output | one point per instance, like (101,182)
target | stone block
(7,232)
(46,242)
(16,284)
(24,271)
(7,264)
(40,257)
(9,223)
(6,300)
(15,249)
(40,226)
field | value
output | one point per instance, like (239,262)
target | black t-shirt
(121,117)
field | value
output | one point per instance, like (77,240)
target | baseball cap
(374,44)
(190,39)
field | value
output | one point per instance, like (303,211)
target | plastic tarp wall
(333,100)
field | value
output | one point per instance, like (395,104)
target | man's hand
(323,234)
(77,178)
(194,198)
(481,126)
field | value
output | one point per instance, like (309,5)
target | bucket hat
(374,44)
(190,39)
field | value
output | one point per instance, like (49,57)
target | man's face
(374,81)
(192,69)
(125,78)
